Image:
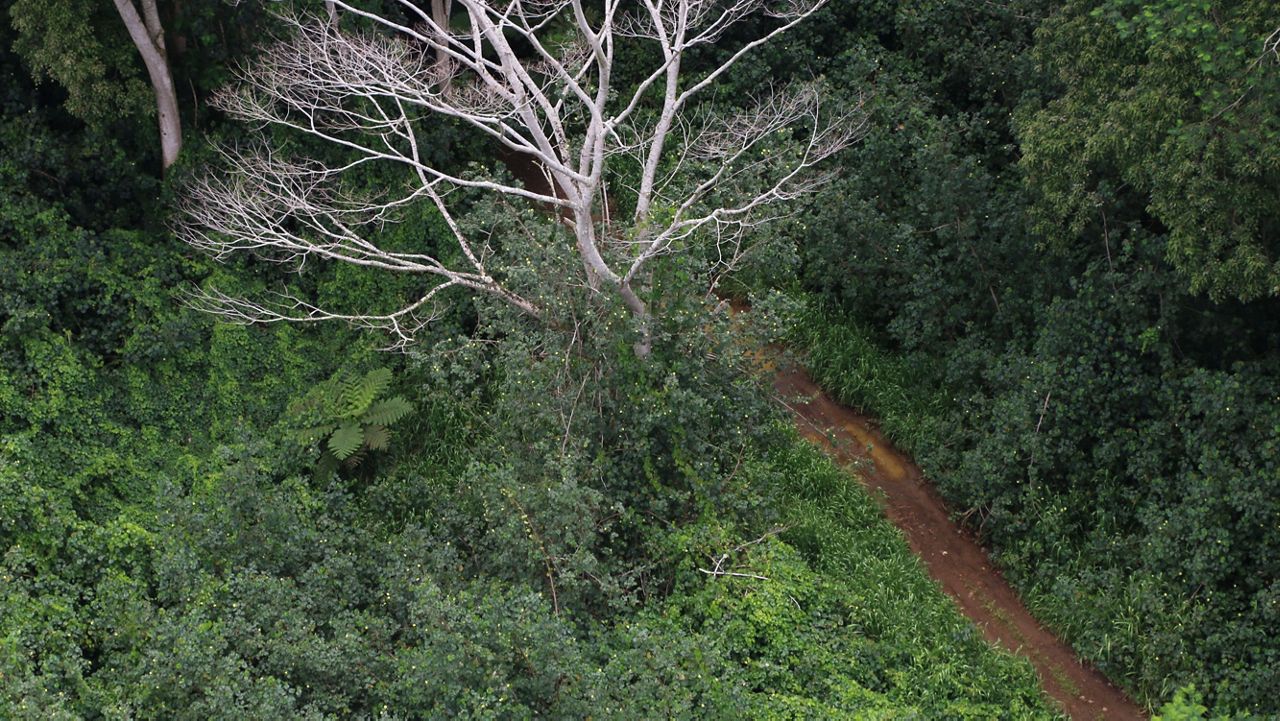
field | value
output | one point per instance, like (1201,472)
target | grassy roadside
(911,635)
(845,360)
(902,393)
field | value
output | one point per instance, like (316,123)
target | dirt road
(952,557)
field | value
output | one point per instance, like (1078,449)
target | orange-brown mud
(951,556)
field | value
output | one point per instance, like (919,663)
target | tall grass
(901,391)
(916,634)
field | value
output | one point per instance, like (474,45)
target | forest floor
(951,555)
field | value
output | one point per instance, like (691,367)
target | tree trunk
(440,11)
(148,36)
(644,322)
(599,277)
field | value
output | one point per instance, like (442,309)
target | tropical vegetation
(1048,265)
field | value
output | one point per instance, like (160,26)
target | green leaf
(358,393)
(377,438)
(389,411)
(307,435)
(356,458)
(346,440)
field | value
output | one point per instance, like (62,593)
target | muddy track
(951,555)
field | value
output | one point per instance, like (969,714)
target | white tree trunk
(440,12)
(536,78)
(148,36)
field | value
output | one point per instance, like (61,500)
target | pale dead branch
(509,71)
(718,562)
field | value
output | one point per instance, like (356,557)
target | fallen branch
(719,561)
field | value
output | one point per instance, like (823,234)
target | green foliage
(347,417)
(83,46)
(846,361)
(833,522)
(1117,477)
(929,220)
(97,76)
(540,541)
(1168,111)
(1186,706)
(519,577)
(1021,315)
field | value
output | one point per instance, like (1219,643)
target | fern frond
(360,391)
(377,381)
(377,438)
(342,414)
(346,392)
(357,458)
(346,440)
(307,435)
(388,411)
(329,394)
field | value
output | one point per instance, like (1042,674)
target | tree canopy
(1035,241)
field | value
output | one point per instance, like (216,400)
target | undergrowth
(900,391)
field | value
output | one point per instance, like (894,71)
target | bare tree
(704,178)
(148,36)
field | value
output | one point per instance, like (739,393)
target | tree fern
(346,417)
(377,438)
(314,433)
(358,392)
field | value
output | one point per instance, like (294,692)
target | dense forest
(517,458)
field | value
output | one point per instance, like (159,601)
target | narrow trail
(951,556)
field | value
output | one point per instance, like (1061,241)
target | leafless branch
(717,568)
(510,72)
